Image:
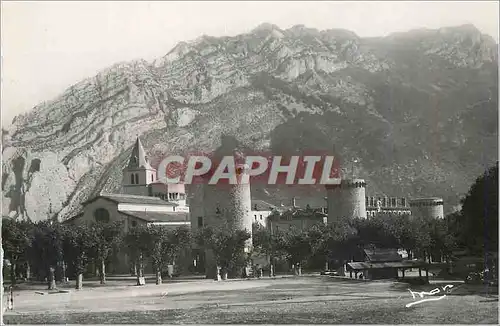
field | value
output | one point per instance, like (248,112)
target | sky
(48,46)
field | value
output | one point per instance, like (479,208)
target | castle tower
(431,208)
(226,204)
(138,174)
(346,200)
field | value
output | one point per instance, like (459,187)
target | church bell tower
(138,174)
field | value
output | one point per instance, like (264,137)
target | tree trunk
(64,271)
(134,269)
(28,271)
(12,273)
(52,278)
(224,274)
(158,276)
(102,272)
(140,273)
(218,273)
(79,281)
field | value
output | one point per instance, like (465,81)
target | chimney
(293,202)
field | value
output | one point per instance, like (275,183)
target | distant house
(261,211)
(300,218)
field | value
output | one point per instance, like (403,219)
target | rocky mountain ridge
(418,109)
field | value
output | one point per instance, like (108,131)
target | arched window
(136,178)
(132,179)
(152,178)
(101,215)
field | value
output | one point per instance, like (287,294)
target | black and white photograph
(249,162)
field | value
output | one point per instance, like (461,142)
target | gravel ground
(296,300)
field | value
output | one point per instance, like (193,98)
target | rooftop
(383,255)
(400,264)
(159,216)
(131,199)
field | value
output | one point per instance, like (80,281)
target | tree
(80,246)
(47,249)
(442,241)
(165,246)
(340,241)
(265,243)
(227,245)
(136,243)
(108,239)
(479,222)
(296,245)
(16,241)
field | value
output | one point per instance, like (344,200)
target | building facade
(386,205)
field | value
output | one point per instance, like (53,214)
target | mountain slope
(418,109)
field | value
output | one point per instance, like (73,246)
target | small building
(300,218)
(261,211)
(383,264)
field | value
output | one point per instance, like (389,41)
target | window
(132,179)
(255,217)
(134,223)
(136,178)
(261,217)
(152,178)
(200,221)
(101,215)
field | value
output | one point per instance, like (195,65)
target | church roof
(138,157)
(159,216)
(131,199)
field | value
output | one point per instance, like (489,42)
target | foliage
(80,245)
(108,238)
(165,245)
(136,241)
(47,245)
(17,239)
(478,229)
(227,245)
(295,243)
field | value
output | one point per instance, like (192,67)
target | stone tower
(138,174)
(226,204)
(429,208)
(346,200)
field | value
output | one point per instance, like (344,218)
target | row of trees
(48,247)
(53,250)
